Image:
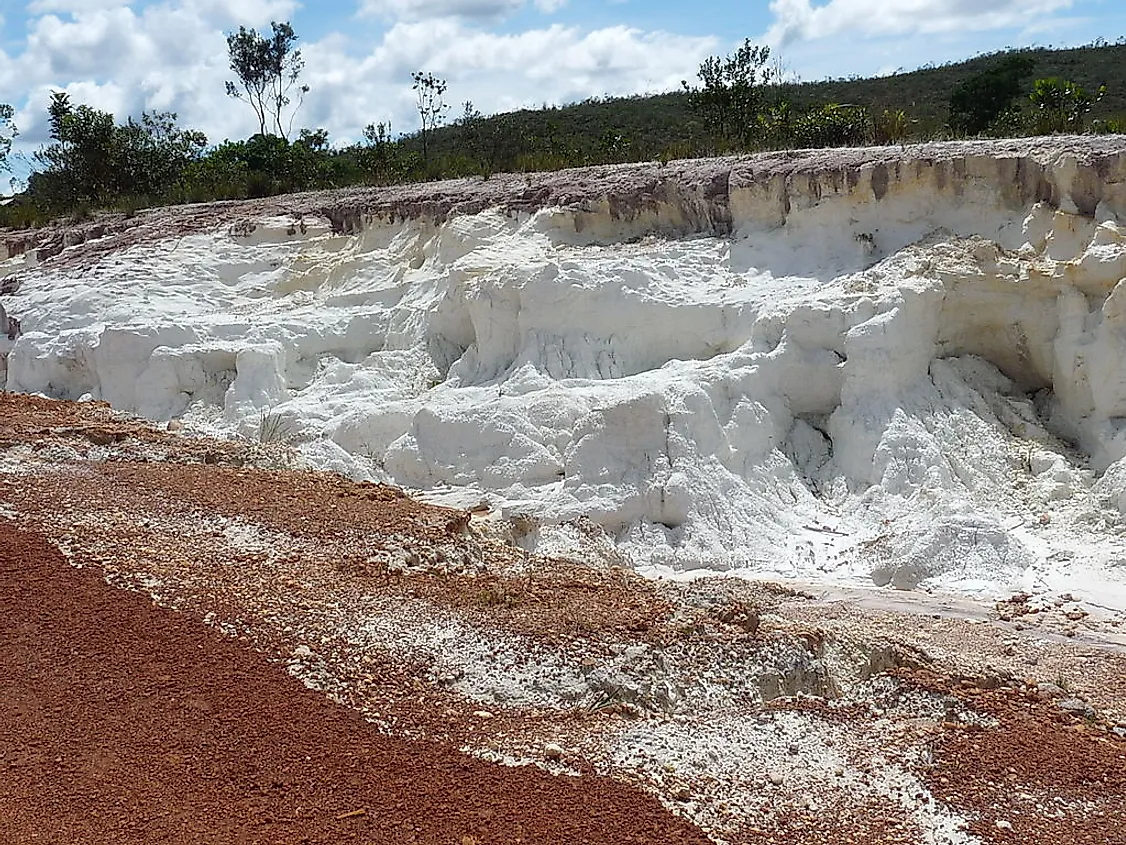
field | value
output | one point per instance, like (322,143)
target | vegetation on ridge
(740,102)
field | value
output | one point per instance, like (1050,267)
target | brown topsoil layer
(122,722)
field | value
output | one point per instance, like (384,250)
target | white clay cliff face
(906,368)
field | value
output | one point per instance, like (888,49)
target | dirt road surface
(122,722)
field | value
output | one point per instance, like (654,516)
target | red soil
(121,722)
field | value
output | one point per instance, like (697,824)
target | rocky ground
(202,642)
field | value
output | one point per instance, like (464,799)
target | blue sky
(129,55)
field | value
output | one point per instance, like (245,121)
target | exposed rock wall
(880,363)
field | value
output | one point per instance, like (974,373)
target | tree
(264,165)
(93,160)
(8,132)
(982,100)
(79,167)
(314,140)
(153,154)
(469,115)
(268,69)
(733,93)
(432,108)
(1060,106)
(383,158)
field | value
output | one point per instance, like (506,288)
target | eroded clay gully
(162,598)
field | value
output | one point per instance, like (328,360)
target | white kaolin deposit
(906,367)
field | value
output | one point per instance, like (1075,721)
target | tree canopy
(980,101)
(268,69)
(8,132)
(93,160)
(431,105)
(732,94)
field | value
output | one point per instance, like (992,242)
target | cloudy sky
(127,55)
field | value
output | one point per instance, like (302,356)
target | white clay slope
(908,372)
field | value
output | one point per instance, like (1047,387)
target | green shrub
(891,127)
(831,125)
(1060,106)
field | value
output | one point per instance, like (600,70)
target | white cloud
(800,20)
(227,12)
(420,10)
(38,7)
(471,10)
(498,72)
(74,49)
